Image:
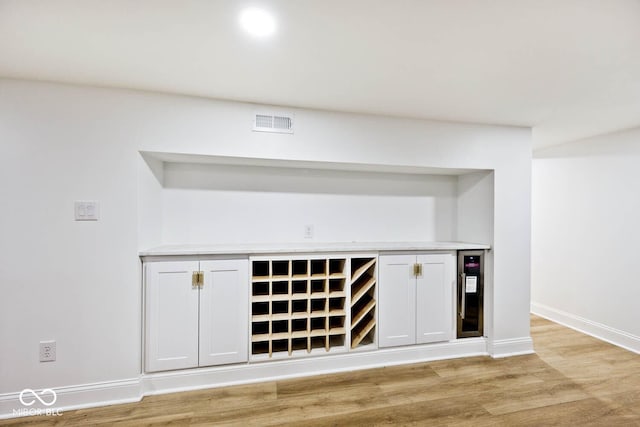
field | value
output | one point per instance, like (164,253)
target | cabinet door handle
(195,276)
(197,279)
(463,304)
(417,269)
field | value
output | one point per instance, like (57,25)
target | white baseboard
(597,330)
(511,347)
(74,397)
(194,379)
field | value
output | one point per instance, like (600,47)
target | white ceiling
(568,68)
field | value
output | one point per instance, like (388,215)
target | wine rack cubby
(298,306)
(363,301)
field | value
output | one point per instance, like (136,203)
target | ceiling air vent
(267,122)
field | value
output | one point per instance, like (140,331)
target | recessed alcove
(198,199)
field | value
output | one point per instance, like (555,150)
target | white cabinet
(196,321)
(415,299)
(171,316)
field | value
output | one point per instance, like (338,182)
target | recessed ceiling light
(257,22)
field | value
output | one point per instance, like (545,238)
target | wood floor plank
(629,400)
(435,412)
(537,396)
(584,412)
(574,379)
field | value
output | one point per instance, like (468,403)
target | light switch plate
(87,210)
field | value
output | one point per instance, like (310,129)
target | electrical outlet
(308,231)
(47,351)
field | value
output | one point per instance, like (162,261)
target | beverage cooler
(470,293)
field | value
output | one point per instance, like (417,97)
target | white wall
(79,283)
(204,203)
(474,210)
(73,282)
(584,248)
(150,205)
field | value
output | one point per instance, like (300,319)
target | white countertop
(315,247)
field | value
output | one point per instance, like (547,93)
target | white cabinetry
(415,299)
(195,321)
(171,316)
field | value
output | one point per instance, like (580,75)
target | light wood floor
(573,380)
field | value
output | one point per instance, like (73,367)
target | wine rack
(363,301)
(298,306)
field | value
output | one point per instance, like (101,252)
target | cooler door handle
(463,304)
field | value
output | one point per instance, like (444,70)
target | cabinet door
(224,312)
(434,298)
(171,316)
(396,300)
